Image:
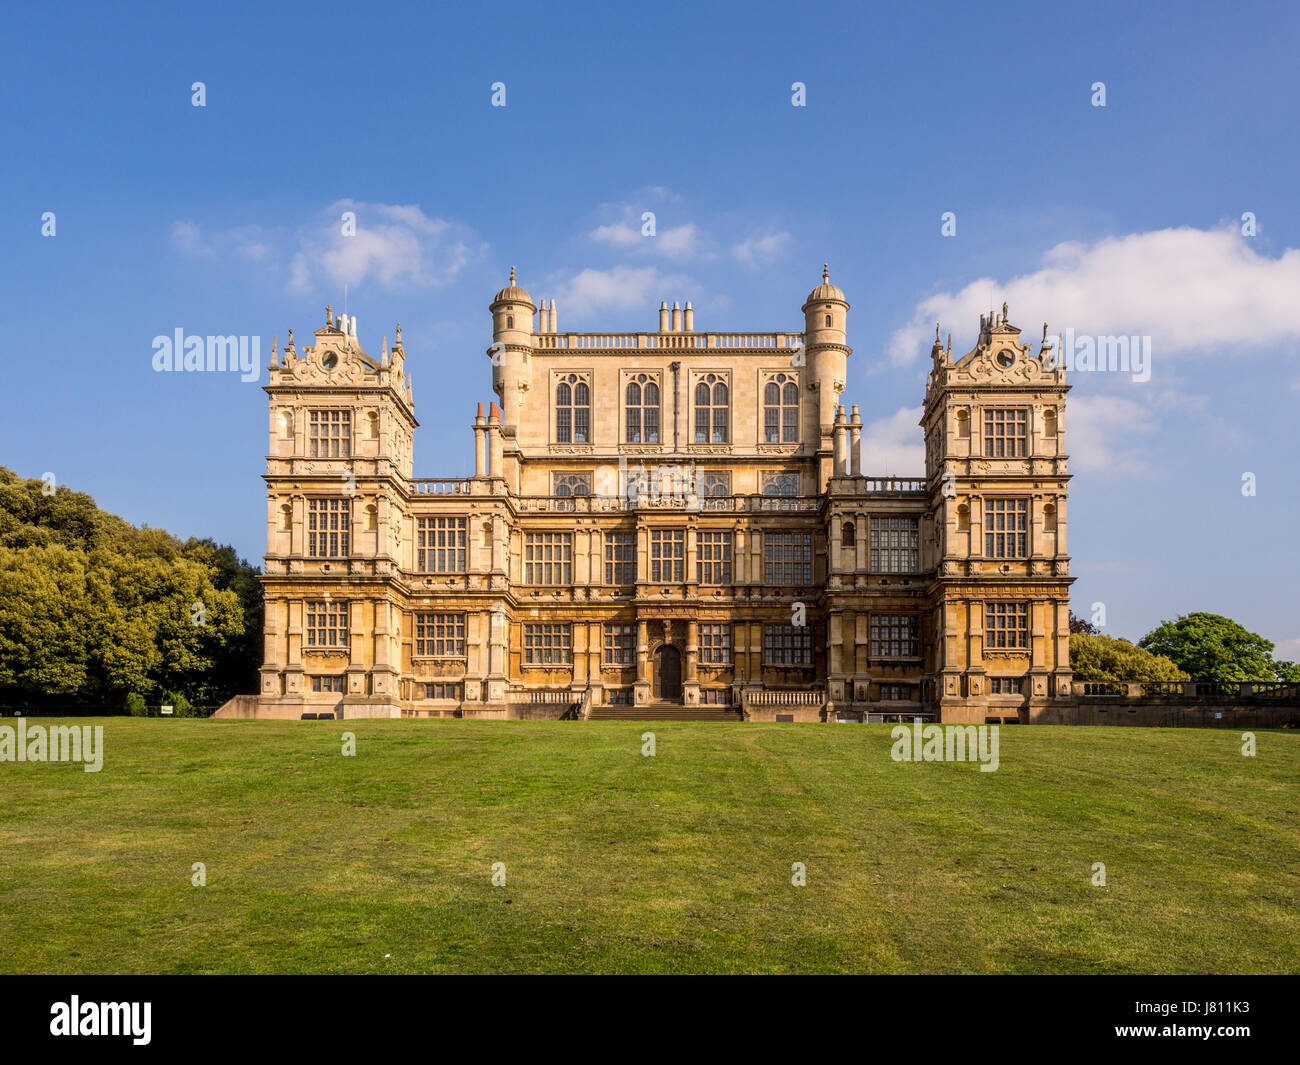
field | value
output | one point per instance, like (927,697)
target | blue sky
(1123,219)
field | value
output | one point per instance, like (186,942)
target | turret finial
(826,273)
(512,275)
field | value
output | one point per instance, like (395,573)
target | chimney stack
(689,318)
(663,316)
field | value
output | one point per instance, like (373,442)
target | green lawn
(681,862)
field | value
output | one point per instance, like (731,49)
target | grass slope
(615,862)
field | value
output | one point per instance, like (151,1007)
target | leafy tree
(1109,658)
(92,608)
(1078,624)
(135,705)
(1214,648)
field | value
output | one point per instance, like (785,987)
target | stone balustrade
(679,341)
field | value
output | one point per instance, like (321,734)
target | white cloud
(1104,434)
(762,249)
(894,445)
(619,288)
(677,242)
(248,242)
(1188,289)
(1287,650)
(394,244)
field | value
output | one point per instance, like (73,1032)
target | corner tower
(827,352)
(996,475)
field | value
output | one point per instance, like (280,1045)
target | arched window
(510,321)
(848,537)
(781,410)
(572,411)
(828,321)
(642,410)
(711,396)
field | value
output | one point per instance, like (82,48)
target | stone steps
(665,712)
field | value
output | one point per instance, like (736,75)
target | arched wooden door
(666,682)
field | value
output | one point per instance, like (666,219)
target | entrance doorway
(666,679)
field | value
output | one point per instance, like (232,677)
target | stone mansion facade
(667,523)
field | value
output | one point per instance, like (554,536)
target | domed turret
(825,291)
(512,343)
(512,293)
(826,345)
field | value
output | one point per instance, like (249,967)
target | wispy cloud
(619,288)
(1188,289)
(393,245)
(893,445)
(762,249)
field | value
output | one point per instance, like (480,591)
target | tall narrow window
(548,558)
(327,623)
(711,406)
(329,527)
(713,565)
(1006,433)
(1006,625)
(848,535)
(440,545)
(620,645)
(620,558)
(895,544)
(714,644)
(787,558)
(1006,528)
(667,554)
(329,434)
(572,411)
(642,410)
(781,410)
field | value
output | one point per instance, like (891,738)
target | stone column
(837,536)
(480,444)
(860,536)
(855,443)
(691,682)
(642,660)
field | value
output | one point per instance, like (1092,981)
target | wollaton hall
(670,523)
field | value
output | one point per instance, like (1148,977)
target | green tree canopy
(92,608)
(1212,647)
(1109,658)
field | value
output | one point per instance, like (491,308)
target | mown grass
(681,862)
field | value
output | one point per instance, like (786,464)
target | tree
(1109,658)
(1078,624)
(92,608)
(1214,648)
